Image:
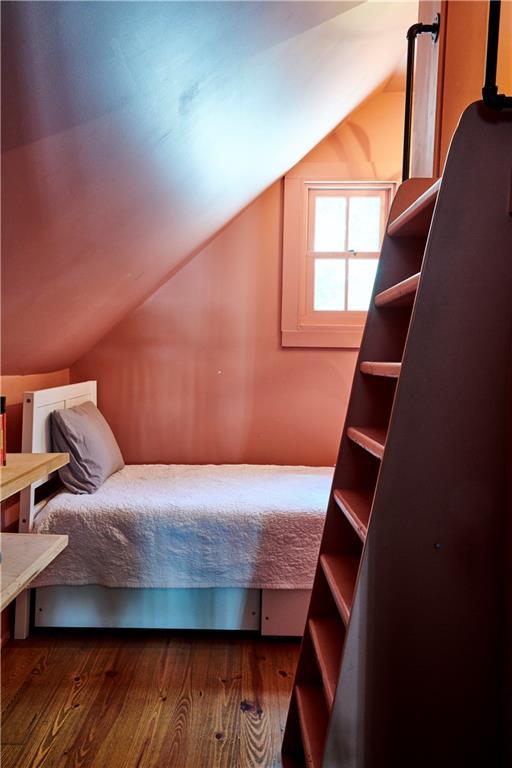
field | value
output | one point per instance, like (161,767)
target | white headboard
(36,438)
(37,407)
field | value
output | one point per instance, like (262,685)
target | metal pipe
(490,93)
(412,34)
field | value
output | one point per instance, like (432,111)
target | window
(332,237)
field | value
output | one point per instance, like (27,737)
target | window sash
(301,325)
(309,317)
(316,191)
(313,317)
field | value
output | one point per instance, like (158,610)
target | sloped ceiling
(133,131)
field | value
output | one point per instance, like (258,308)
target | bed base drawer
(95,606)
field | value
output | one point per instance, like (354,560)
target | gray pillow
(94,454)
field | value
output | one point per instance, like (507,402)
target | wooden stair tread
(356,506)
(325,633)
(372,439)
(401,293)
(390,370)
(341,573)
(313,722)
(415,220)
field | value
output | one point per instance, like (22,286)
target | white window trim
(300,327)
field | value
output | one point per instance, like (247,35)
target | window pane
(329,295)
(364,224)
(361,276)
(330,213)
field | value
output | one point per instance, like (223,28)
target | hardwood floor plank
(92,742)
(37,694)
(174,747)
(215,720)
(14,677)
(10,755)
(255,728)
(145,700)
(266,685)
(149,694)
(56,729)
(157,716)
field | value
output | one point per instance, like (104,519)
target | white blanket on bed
(192,526)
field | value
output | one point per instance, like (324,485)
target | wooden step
(372,439)
(313,720)
(356,506)
(390,370)
(341,573)
(415,220)
(328,645)
(400,294)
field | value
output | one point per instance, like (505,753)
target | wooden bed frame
(272,611)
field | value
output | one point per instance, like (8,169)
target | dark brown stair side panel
(422,666)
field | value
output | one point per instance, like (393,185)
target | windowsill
(341,338)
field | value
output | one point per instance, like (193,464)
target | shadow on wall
(70,64)
(200,368)
(364,143)
(134,131)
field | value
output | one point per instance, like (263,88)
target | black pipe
(490,93)
(412,34)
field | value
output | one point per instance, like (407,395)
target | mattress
(192,526)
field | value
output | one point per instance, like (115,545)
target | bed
(174,546)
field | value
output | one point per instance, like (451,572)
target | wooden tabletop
(22,469)
(24,556)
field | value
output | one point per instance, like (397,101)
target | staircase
(404,654)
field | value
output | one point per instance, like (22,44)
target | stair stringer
(423,663)
(399,258)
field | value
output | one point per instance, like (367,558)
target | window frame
(301,325)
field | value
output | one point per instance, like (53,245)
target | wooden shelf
(390,370)
(24,556)
(22,469)
(341,573)
(328,644)
(402,293)
(372,439)
(356,506)
(415,220)
(313,722)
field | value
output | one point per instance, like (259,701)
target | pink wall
(197,374)
(464,64)
(132,132)
(450,74)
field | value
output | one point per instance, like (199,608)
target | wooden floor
(140,699)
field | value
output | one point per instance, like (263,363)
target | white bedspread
(192,526)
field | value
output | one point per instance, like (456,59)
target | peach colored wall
(368,144)
(133,131)
(464,65)
(13,388)
(197,374)
(450,75)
